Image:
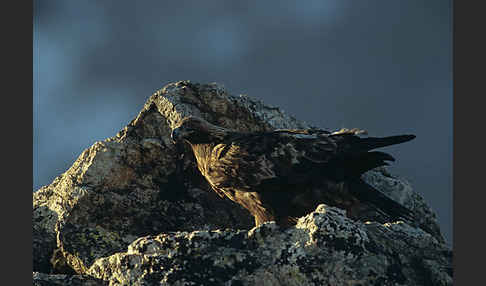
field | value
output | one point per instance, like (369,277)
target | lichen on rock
(42,279)
(324,248)
(134,210)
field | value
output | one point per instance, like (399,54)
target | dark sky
(383,66)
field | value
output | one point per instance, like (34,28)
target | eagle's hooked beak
(175,135)
(179,134)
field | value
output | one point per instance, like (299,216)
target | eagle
(284,174)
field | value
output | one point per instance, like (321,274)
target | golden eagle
(284,174)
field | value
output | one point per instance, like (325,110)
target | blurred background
(383,66)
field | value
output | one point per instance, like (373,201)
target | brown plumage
(284,174)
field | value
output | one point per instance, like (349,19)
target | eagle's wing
(282,164)
(292,157)
(245,160)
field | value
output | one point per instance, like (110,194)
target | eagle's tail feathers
(360,163)
(367,194)
(371,143)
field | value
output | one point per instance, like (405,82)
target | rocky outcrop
(133,210)
(325,248)
(42,279)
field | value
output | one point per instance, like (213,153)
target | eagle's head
(195,130)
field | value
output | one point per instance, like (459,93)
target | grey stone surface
(42,279)
(324,248)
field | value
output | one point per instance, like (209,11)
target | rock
(401,191)
(324,248)
(41,279)
(136,186)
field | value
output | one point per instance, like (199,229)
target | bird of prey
(282,175)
